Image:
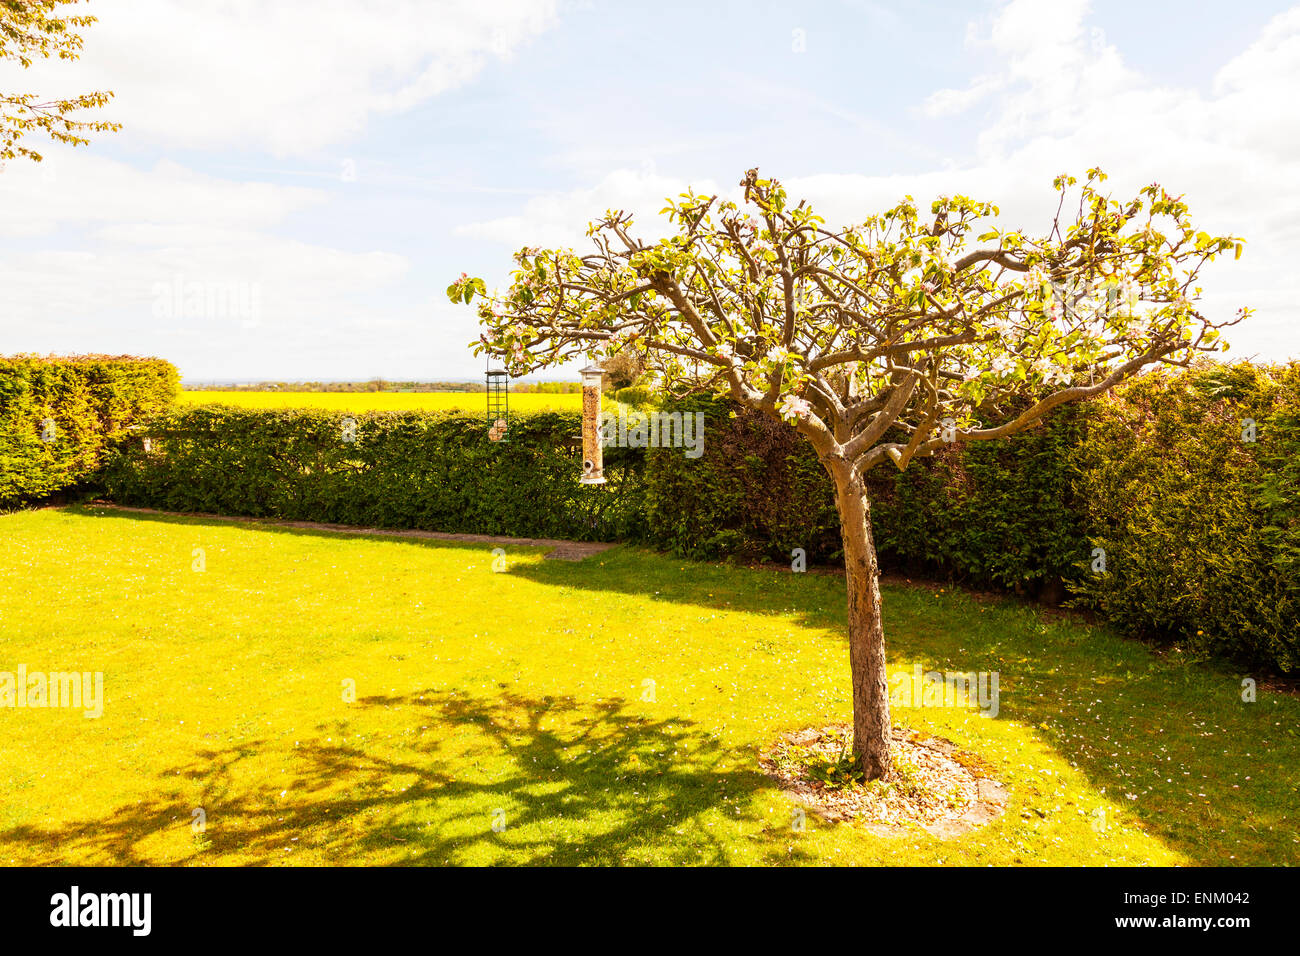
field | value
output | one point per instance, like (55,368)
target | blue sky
(322,170)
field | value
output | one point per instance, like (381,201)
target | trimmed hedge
(1200,527)
(1000,513)
(991,513)
(429,470)
(757,491)
(59,414)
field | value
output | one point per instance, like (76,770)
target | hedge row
(58,415)
(1198,525)
(1190,486)
(757,491)
(996,513)
(429,470)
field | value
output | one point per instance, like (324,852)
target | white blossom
(793,407)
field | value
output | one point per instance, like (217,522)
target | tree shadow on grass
(511,780)
(1212,778)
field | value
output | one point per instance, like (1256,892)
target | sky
(297,181)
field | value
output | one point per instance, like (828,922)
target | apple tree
(879,342)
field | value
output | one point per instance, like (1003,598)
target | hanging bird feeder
(498,404)
(593,457)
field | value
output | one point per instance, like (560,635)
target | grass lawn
(472,402)
(520,699)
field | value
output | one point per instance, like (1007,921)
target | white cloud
(77,187)
(948,102)
(121,239)
(1256,91)
(290,76)
(1073,102)
(294,283)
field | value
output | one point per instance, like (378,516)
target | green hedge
(58,415)
(757,491)
(1200,527)
(1000,513)
(428,470)
(994,513)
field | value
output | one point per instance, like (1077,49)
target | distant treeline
(382,385)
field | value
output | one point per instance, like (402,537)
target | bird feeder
(593,457)
(498,403)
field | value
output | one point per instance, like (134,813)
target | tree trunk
(871,727)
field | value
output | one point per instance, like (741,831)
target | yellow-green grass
(472,402)
(609,711)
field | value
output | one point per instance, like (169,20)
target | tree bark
(871,727)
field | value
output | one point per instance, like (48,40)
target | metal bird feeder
(498,404)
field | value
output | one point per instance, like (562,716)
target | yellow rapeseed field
(475,402)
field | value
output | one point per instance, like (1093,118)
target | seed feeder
(498,403)
(593,457)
